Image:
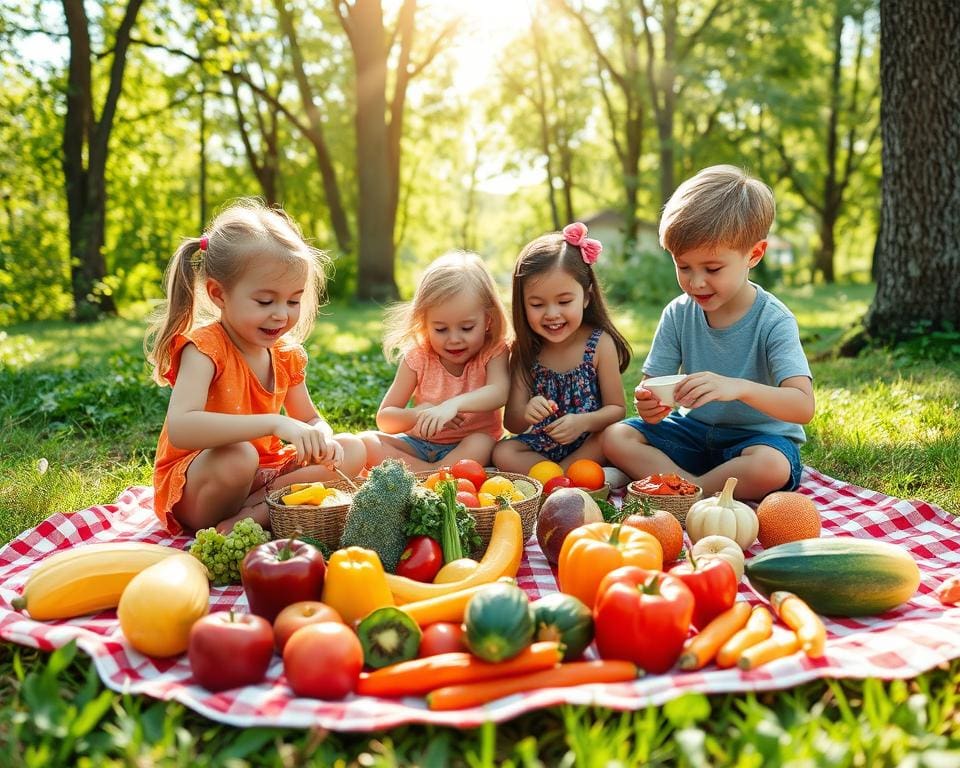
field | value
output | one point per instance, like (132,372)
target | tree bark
(86,140)
(918,250)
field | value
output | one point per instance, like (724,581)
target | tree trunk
(86,140)
(375,219)
(918,251)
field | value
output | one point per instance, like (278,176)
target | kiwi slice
(388,635)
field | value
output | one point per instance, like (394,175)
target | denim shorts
(427,451)
(698,447)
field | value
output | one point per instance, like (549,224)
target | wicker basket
(322,523)
(678,506)
(527,509)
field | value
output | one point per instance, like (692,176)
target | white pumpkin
(721,548)
(723,516)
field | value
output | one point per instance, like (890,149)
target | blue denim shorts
(427,451)
(698,447)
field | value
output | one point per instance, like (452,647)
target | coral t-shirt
(435,384)
(234,389)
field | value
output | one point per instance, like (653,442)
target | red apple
(556,482)
(297,615)
(281,572)
(228,650)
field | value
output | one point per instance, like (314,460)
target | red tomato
(714,586)
(297,615)
(421,559)
(244,639)
(635,605)
(465,485)
(469,500)
(323,661)
(442,637)
(470,470)
(556,482)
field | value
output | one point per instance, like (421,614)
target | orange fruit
(544,470)
(787,516)
(585,473)
(664,527)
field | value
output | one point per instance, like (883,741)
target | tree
(918,248)
(86,138)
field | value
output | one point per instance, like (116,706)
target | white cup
(663,387)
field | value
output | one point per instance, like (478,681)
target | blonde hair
(722,206)
(244,231)
(405,324)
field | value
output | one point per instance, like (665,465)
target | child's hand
(704,387)
(431,421)
(312,444)
(649,407)
(538,409)
(566,429)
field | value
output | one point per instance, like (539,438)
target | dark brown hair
(546,253)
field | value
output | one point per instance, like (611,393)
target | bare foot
(259,512)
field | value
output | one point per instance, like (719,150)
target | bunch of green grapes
(222,555)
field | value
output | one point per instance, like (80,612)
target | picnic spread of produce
(419,598)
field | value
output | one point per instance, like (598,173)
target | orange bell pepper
(591,551)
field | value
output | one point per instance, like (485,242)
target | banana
(86,579)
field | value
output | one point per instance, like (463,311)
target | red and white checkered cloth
(903,643)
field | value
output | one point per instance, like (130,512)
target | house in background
(607,227)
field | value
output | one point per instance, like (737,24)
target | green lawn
(81,398)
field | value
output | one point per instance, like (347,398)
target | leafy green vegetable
(425,518)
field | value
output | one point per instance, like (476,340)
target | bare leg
(628,450)
(515,456)
(759,470)
(477,446)
(592,449)
(218,481)
(380,446)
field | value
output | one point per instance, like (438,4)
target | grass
(81,398)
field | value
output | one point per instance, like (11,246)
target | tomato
(471,470)
(442,637)
(421,559)
(468,500)
(281,572)
(642,616)
(297,615)
(323,661)
(465,485)
(245,640)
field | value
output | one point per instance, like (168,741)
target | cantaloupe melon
(786,516)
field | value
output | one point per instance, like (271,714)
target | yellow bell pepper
(355,583)
(313,493)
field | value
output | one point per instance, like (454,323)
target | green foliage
(642,277)
(925,342)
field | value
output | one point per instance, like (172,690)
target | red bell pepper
(714,586)
(421,559)
(642,616)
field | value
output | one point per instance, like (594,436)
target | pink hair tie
(203,243)
(576,234)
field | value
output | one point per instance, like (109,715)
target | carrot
(416,677)
(449,607)
(701,649)
(562,676)
(759,627)
(776,647)
(799,616)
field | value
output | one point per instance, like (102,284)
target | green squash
(567,620)
(498,622)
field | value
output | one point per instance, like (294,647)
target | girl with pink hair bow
(566,362)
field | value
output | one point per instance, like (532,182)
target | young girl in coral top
(567,359)
(240,299)
(452,340)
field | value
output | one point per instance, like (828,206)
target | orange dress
(234,389)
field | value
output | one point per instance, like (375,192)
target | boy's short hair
(721,206)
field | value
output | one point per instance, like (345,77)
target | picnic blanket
(900,644)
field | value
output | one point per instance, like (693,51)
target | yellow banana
(86,579)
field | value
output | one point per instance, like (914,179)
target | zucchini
(842,576)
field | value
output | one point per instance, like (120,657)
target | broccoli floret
(379,511)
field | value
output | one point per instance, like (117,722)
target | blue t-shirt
(762,346)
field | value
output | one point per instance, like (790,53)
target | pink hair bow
(576,234)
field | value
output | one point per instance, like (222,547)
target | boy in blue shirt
(748,387)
